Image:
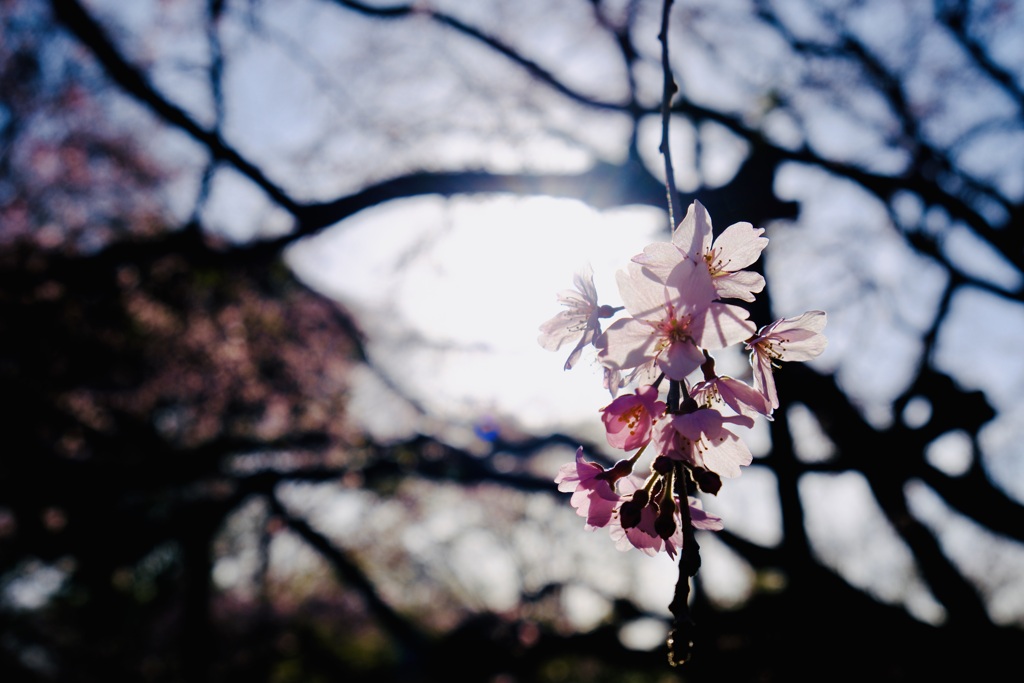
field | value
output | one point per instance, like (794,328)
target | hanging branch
(670,89)
(680,639)
(694,446)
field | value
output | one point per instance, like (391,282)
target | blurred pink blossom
(580,321)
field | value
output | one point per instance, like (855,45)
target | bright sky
(472,280)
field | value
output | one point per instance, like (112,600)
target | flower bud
(665,524)
(629,511)
(707,481)
(663,464)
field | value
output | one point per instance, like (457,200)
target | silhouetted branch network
(95,344)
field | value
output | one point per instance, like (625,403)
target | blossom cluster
(676,312)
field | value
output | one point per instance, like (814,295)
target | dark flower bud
(629,511)
(665,524)
(663,464)
(619,470)
(707,481)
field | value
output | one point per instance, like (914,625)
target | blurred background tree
(271,278)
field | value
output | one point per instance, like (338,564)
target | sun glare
(474,279)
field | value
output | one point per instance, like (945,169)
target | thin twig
(670,89)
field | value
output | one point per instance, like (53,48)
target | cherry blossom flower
(716,390)
(628,419)
(739,246)
(592,487)
(670,322)
(580,321)
(672,295)
(666,441)
(643,537)
(701,519)
(787,339)
(613,379)
(704,441)
(659,525)
(633,524)
(738,395)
